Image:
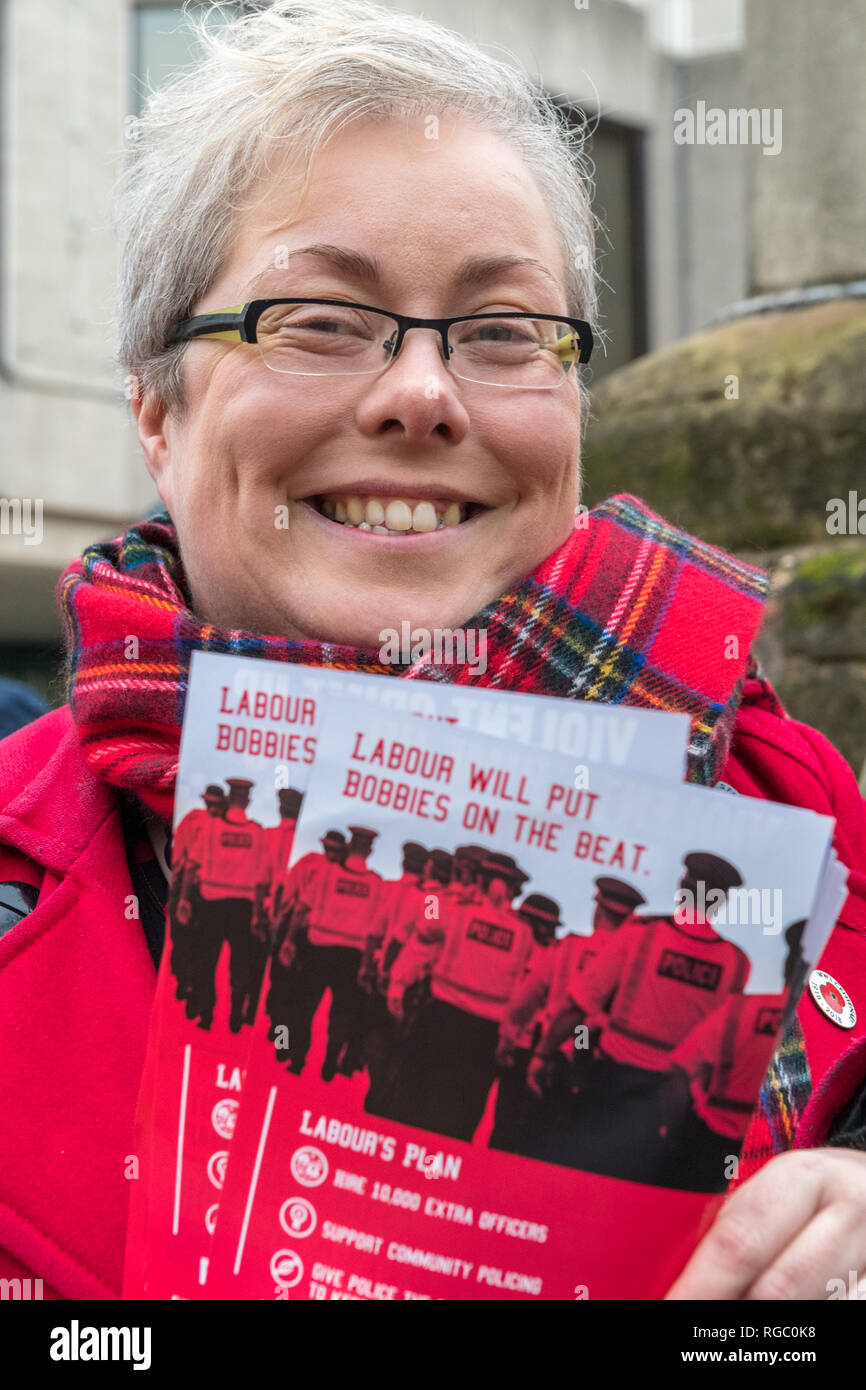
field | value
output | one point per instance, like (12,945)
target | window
(617,152)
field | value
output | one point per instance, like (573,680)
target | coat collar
(51,803)
(76,986)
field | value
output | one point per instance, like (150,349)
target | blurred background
(728,142)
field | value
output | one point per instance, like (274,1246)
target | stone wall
(744,435)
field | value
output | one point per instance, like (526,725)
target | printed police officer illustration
(403,901)
(409,981)
(280,839)
(543,993)
(346,1029)
(183,889)
(448,1063)
(465,884)
(719,1066)
(796,969)
(652,982)
(336,902)
(516,1114)
(450,881)
(231,870)
(291,1026)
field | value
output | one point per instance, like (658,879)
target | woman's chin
(353,602)
(380,626)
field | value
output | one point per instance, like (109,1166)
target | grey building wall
(66,437)
(709,189)
(808,208)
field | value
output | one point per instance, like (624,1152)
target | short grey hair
(296,73)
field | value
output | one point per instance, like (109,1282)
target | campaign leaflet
(259,722)
(522,1063)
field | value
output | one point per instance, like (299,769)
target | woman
(322,483)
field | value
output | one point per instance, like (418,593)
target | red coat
(76,983)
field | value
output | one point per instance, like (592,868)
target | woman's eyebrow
(475,270)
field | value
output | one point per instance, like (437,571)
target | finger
(752,1229)
(829,1248)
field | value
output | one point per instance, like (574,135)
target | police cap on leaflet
(617,896)
(362,832)
(441,860)
(473,853)
(415,856)
(239,784)
(711,870)
(502,866)
(542,909)
(335,838)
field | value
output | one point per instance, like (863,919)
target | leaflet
(524,1069)
(260,723)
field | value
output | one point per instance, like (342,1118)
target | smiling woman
(479,478)
(356,297)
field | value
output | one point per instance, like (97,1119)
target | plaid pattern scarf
(629,610)
(785,1093)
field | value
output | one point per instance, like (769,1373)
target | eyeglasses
(333,337)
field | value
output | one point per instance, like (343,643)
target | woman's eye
(498,331)
(317,322)
(322,325)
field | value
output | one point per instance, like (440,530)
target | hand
(261,926)
(395,1005)
(539,1075)
(799,1223)
(505,1051)
(286,953)
(183,912)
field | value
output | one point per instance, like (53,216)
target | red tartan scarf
(629,610)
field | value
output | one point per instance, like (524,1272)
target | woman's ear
(154,430)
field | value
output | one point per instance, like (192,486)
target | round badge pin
(833,1001)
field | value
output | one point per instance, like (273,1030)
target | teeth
(398,517)
(424,517)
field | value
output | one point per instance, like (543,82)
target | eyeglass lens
(332,340)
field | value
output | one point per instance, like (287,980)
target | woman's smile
(391,511)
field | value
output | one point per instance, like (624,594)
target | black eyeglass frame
(240,324)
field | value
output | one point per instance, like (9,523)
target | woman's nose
(417,391)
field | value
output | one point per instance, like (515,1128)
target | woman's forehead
(387,195)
